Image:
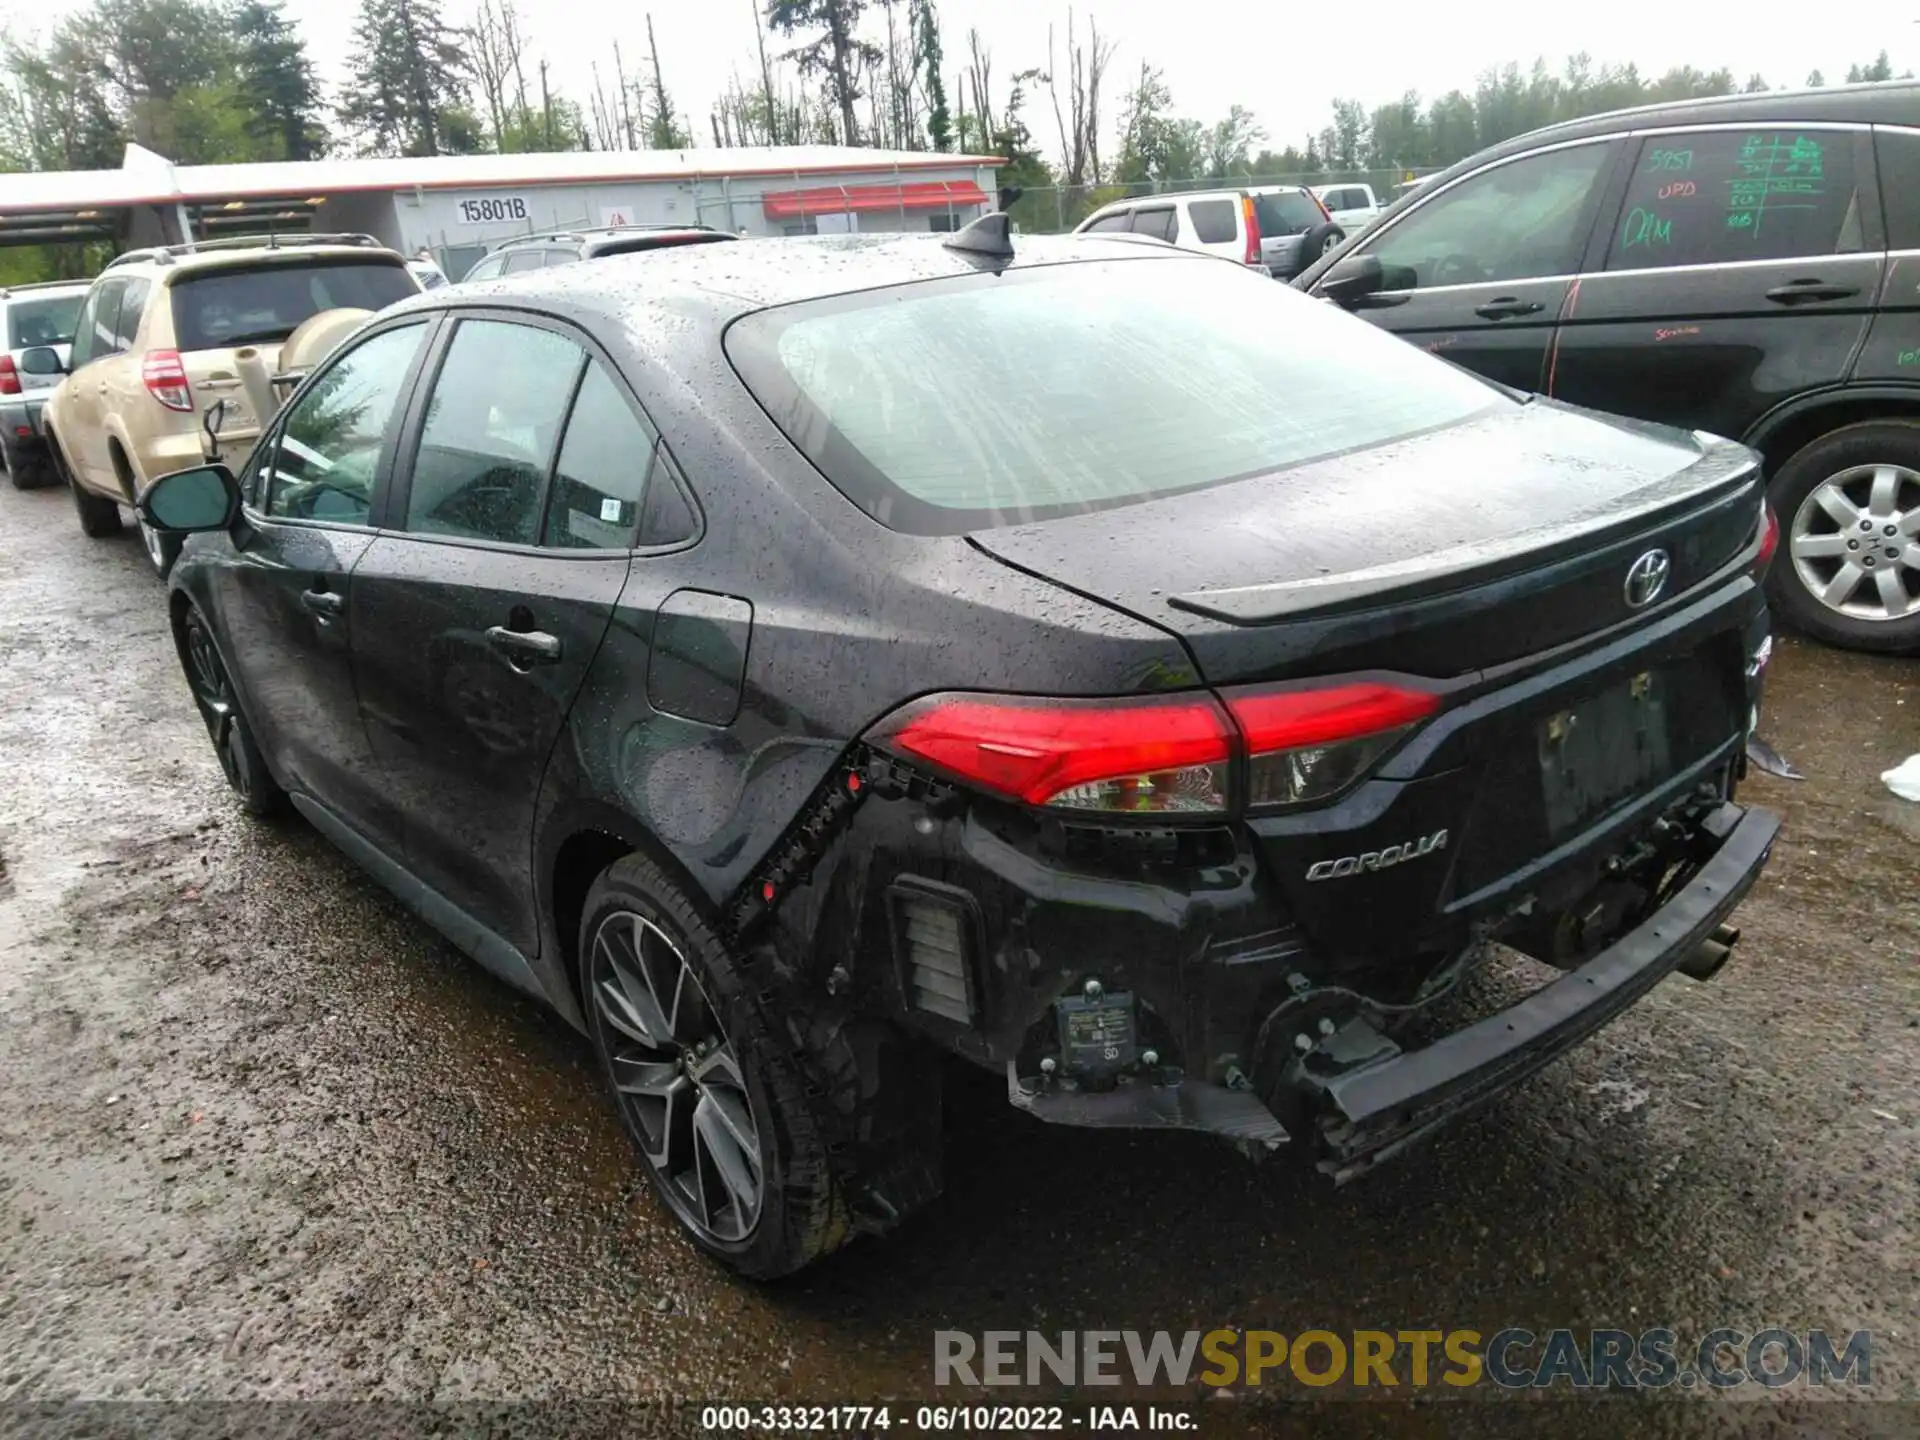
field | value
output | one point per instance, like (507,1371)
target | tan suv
(154,365)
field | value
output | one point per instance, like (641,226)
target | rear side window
(984,400)
(1161,224)
(1213,221)
(105,320)
(597,485)
(523,260)
(1290,212)
(492,424)
(1719,196)
(133,304)
(1898,155)
(1121,221)
(269,302)
(43,322)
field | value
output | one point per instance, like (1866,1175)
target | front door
(284,599)
(478,611)
(83,406)
(1741,269)
(1477,273)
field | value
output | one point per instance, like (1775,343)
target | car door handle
(525,647)
(1507,307)
(1802,292)
(323,603)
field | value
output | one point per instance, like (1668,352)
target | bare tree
(1079,124)
(980,78)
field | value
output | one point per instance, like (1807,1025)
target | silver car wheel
(1855,542)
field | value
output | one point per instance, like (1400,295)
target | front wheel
(710,1100)
(162,550)
(240,758)
(1849,565)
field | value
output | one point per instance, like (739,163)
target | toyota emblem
(1646,578)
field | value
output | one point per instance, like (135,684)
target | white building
(459,206)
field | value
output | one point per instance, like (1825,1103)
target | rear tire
(1840,575)
(99,516)
(240,758)
(725,1132)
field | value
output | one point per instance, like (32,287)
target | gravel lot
(266,1136)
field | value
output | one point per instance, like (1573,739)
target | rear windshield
(43,322)
(246,307)
(654,242)
(985,401)
(1289,212)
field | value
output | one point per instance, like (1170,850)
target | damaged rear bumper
(1376,1110)
(1373,1113)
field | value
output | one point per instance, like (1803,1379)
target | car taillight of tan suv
(155,379)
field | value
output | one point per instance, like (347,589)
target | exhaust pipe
(1713,952)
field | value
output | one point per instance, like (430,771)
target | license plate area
(1604,750)
(1097,1033)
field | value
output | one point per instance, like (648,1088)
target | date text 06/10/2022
(947,1419)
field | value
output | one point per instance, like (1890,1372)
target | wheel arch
(580,842)
(1791,426)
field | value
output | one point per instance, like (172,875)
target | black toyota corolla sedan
(791,661)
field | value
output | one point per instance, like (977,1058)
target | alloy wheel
(676,1078)
(1855,542)
(154,543)
(215,696)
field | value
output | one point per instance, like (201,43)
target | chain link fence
(1056,209)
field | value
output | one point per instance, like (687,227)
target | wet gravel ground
(264,1135)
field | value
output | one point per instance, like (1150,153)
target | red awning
(839,200)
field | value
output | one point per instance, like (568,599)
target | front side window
(990,400)
(1518,221)
(602,472)
(1121,220)
(492,423)
(323,464)
(1719,196)
(82,350)
(267,302)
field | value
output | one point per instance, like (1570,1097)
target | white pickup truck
(1351,206)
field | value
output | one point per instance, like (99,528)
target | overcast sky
(1221,52)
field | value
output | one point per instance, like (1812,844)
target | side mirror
(206,497)
(41,360)
(1351,280)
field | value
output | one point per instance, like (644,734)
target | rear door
(283,601)
(1477,272)
(478,610)
(1740,268)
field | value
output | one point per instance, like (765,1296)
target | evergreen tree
(279,82)
(838,53)
(409,95)
(926,49)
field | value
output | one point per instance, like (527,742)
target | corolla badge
(1646,578)
(1381,859)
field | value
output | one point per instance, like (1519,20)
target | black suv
(1748,265)
(563,247)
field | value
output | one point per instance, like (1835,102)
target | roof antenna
(991,235)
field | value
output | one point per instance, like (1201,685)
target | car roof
(175,260)
(724,281)
(589,234)
(34,289)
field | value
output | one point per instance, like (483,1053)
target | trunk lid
(215,375)
(1439,555)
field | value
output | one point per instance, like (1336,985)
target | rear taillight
(1309,745)
(9,376)
(1769,538)
(1252,257)
(1163,755)
(166,379)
